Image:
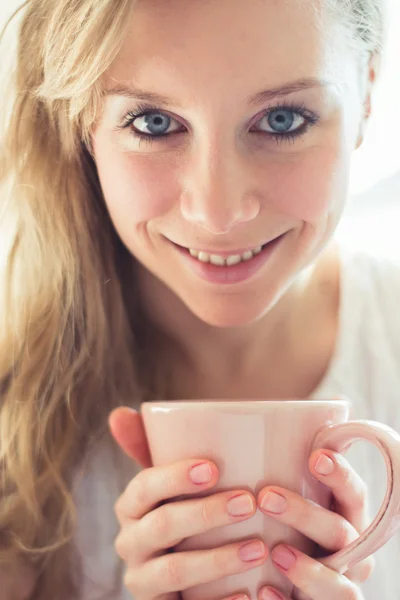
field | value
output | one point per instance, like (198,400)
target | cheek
(312,187)
(134,190)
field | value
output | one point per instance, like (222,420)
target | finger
(169,524)
(269,593)
(326,528)
(181,570)
(156,484)
(349,490)
(362,571)
(311,577)
(127,428)
(299,595)
(350,500)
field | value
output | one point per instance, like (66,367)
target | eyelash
(290,137)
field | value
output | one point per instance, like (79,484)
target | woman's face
(252,111)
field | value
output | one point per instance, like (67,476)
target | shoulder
(363,274)
(376,272)
(371,291)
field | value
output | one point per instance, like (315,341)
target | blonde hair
(67,339)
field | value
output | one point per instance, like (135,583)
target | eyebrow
(130,91)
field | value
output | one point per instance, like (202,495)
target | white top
(365,368)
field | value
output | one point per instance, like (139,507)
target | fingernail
(324,465)
(241,597)
(239,506)
(201,473)
(268,594)
(274,503)
(283,557)
(252,551)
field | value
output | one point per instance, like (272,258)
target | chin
(230,312)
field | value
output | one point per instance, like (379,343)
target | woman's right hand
(149,528)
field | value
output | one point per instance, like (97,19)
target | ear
(374,65)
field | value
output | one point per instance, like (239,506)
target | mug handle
(339,438)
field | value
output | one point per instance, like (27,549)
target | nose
(217,191)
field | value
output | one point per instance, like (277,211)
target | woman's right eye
(152,124)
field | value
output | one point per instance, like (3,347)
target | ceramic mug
(255,443)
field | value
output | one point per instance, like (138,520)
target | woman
(173,175)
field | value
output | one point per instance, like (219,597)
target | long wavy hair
(73,345)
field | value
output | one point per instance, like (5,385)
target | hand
(332,531)
(149,527)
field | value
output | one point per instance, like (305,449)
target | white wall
(379,156)
(372,217)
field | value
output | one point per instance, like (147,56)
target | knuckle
(157,525)
(304,514)
(206,514)
(299,595)
(344,534)
(359,488)
(118,508)
(222,561)
(347,472)
(360,495)
(168,483)
(131,581)
(369,566)
(174,572)
(350,592)
(136,495)
(138,490)
(120,545)
(364,570)
(316,573)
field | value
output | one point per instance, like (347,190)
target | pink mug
(255,443)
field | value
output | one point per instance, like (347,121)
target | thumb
(127,429)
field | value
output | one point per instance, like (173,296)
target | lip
(225,253)
(233,275)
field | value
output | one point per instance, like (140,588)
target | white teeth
(233,260)
(247,255)
(204,257)
(217,260)
(222,261)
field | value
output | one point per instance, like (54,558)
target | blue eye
(282,123)
(153,123)
(281,120)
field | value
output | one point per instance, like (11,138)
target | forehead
(197,43)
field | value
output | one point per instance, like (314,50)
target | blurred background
(372,217)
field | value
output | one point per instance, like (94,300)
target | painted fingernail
(268,594)
(283,557)
(201,473)
(240,506)
(252,551)
(274,503)
(324,465)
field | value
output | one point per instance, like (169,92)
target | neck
(203,358)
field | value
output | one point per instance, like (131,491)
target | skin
(149,526)
(220,184)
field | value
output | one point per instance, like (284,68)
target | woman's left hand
(332,531)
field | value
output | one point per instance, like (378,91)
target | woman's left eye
(281,121)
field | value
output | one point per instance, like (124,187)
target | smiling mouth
(227,259)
